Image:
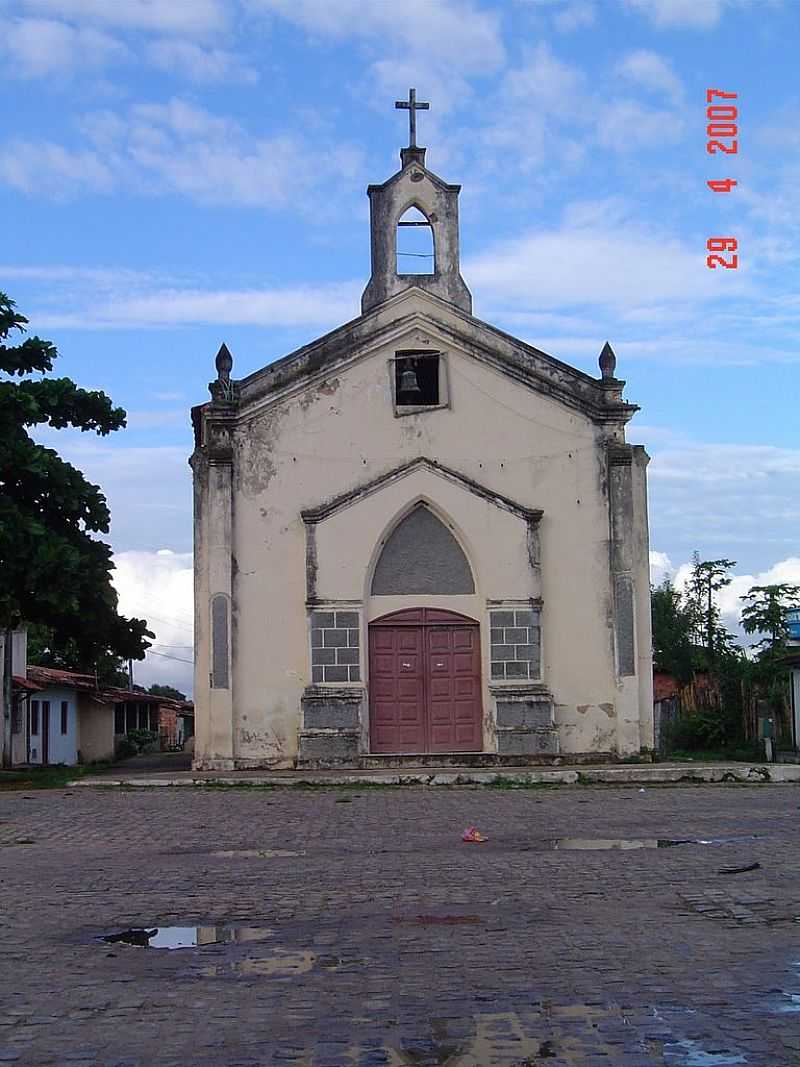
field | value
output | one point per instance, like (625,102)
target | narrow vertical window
(64,716)
(219,641)
(415,250)
(34,716)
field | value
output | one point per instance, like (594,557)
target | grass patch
(55,777)
(504,782)
(744,754)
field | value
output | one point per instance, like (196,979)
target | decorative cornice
(344,500)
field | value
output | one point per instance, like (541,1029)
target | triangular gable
(527,365)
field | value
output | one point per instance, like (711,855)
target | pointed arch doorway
(425,682)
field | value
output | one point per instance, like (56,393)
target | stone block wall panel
(515,640)
(335,646)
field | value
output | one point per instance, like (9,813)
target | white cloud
(198,64)
(590,261)
(38,48)
(628,125)
(693,14)
(148,488)
(462,34)
(191,17)
(735,500)
(158,586)
(652,72)
(180,147)
(726,463)
(525,119)
(660,567)
(575,16)
(322,306)
(41,167)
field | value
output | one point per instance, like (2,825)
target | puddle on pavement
(688,1053)
(790,1002)
(282,963)
(171,937)
(581,844)
(256,853)
(590,844)
(439,920)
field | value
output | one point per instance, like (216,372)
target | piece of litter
(472,835)
(641,790)
(740,870)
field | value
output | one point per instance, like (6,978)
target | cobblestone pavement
(367,933)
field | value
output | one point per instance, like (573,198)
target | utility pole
(130,674)
(8,668)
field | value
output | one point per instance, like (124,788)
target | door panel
(397,712)
(425,686)
(454,702)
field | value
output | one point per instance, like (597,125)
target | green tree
(765,612)
(52,571)
(167,691)
(46,651)
(705,581)
(672,632)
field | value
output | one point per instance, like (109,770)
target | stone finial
(224,363)
(608,361)
(222,389)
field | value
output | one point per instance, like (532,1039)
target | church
(417,538)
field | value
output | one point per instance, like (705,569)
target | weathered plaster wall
(296,449)
(95,729)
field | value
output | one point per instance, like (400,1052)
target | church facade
(419,536)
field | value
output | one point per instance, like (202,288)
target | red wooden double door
(425,682)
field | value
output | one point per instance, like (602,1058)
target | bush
(702,730)
(711,733)
(143,739)
(136,741)
(126,748)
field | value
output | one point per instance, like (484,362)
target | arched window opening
(422,556)
(415,251)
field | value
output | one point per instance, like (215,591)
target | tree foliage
(167,691)
(766,612)
(705,581)
(52,571)
(672,632)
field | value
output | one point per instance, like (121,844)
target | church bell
(408,382)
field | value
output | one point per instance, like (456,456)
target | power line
(164,655)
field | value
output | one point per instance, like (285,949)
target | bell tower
(414,186)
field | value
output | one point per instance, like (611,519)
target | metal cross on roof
(412,107)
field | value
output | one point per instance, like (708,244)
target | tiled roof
(46,677)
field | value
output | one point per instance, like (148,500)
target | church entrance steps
(638,774)
(475,760)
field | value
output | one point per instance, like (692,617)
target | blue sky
(175,175)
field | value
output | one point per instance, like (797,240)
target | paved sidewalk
(369,934)
(598,774)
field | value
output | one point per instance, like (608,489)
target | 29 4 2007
(722,131)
